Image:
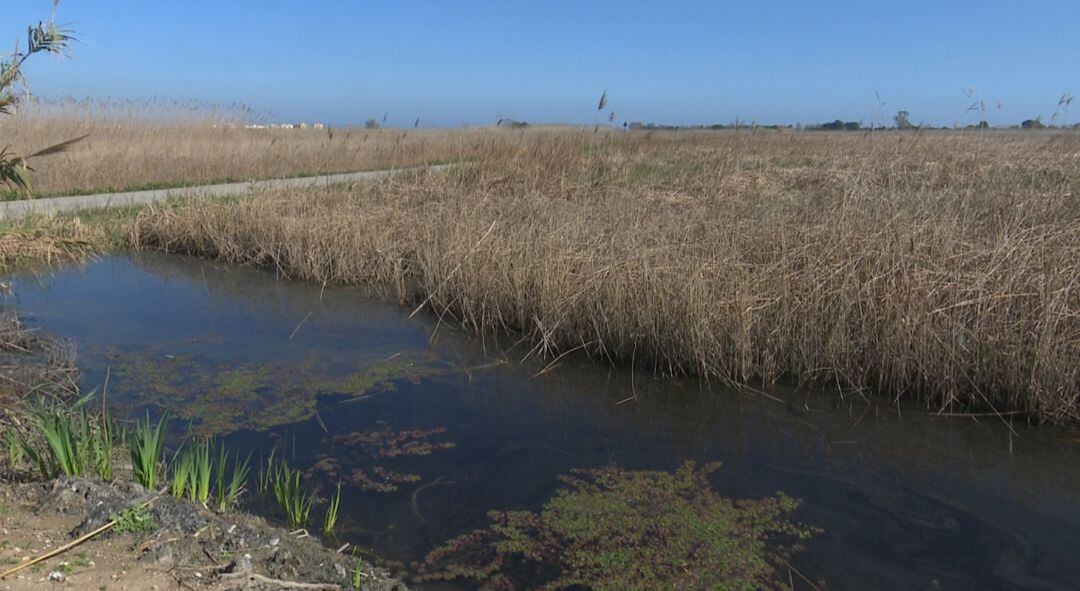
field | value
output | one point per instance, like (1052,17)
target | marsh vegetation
(933,269)
(916,273)
(151,145)
(598,318)
(426,435)
(612,529)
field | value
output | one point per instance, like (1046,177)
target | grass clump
(147,445)
(293,501)
(181,473)
(230,484)
(331,517)
(198,475)
(191,472)
(67,441)
(134,520)
(612,529)
(265,477)
(70,441)
(357,579)
(14,451)
(39,240)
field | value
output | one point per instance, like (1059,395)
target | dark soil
(194,547)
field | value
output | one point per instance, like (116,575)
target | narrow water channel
(430,428)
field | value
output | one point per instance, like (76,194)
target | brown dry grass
(50,241)
(942,269)
(32,364)
(133,148)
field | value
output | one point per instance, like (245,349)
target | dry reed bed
(942,269)
(126,151)
(31,363)
(47,241)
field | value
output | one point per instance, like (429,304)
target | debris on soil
(191,547)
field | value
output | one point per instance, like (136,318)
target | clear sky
(451,63)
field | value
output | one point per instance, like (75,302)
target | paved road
(16,209)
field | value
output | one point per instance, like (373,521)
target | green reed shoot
(70,442)
(229,493)
(219,472)
(61,455)
(332,511)
(181,467)
(358,575)
(191,473)
(103,441)
(195,470)
(265,476)
(13,446)
(147,444)
(199,474)
(293,501)
(65,435)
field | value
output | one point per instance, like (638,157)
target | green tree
(1035,123)
(44,38)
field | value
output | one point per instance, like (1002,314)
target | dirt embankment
(184,547)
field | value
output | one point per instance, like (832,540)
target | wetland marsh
(430,428)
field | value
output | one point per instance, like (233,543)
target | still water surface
(450,426)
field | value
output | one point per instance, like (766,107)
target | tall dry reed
(941,269)
(131,145)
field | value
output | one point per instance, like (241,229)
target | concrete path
(16,209)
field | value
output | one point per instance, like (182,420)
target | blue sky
(453,63)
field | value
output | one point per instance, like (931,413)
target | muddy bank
(31,362)
(183,546)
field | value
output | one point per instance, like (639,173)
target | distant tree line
(901,121)
(638,125)
(839,125)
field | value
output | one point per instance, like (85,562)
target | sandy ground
(191,548)
(102,563)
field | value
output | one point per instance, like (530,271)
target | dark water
(906,502)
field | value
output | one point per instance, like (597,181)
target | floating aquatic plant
(222,398)
(355,457)
(613,529)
